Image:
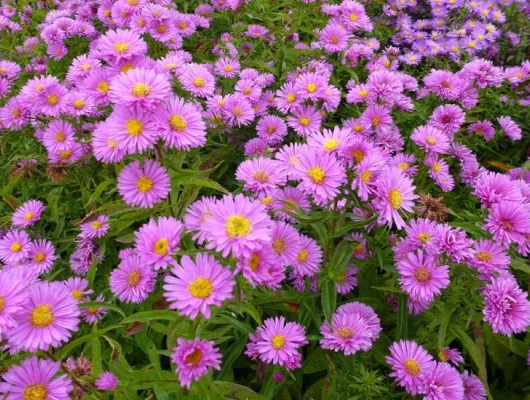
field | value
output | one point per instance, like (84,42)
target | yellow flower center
(442,356)
(161,246)
(177,123)
(317,175)
(194,357)
(121,47)
(430,140)
(304,121)
(395,198)
(311,87)
(39,257)
(37,391)
(17,112)
(161,28)
(201,287)
(358,155)
(424,237)
(79,104)
(366,176)
(134,127)
(86,67)
(291,97)
(403,166)
(422,275)
(519,75)
(363,93)
(77,294)
(126,67)
(96,225)
(345,333)
(353,17)
(238,226)
(267,200)
(358,248)
(103,87)
(302,256)
(112,143)
(279,245)
(29,215)
(237,111)
(199,82)
(92,310)
(484,256)
(183,25)
(278,341)
(144,184)
(412,367)
(376,121)
(65,154)
(2,303)
(436,167)
(16,247)
(261,176)
(53,99)
(133,278)
(254,262)
(331,144)
(141,90)
(42,316)
(247,91)
(228,68)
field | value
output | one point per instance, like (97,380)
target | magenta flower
(41,255)
(365,312)
(489,258)
(13,295)
(431,139)
(309,257)
(195,286)
(441,381)
(133,128)
(193,358)
(139,87)
(92,315)
(305,120)
(473,387)
(263,267)
(285,242)
(144,186)
(346,281)
(78,288)
(106,381)
(196,79)
(492,188)
(451,355)
(14,247)
(157,241)
(120,44)
(510,128)
(28,213)
(347,332)
(95,228)
(133,280)
(58,136)
(271,128)
(448,118)
(508,222)
(261,175)
(482,128)
(197,214)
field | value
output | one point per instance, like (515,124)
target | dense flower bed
(264,199)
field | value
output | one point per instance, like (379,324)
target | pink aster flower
(105,146)
(41,255)
(441,381)
(508,222)
(133,280)
(144,186)
(287,98)
(92,315)
(489,258)
(262,268)
(78,288)
(14,247)
(346,281)
(483,129)
(48,318)
(95,228)
(157,241)
(58,136)
(285,242)
(133,128)
(492,188)
(13,294)
(261,175)
(180,124)
(139,87)
(239,226)
(196,79)
(409,362)
(347,332)
(453,242)
(365,312)
(197,214)
(394,193)
(28,213)
(36,379)
(305,120)
(195,286)
(331,141)
(506,307)
(239,111)
(448,118)
(271,128)
(309,257)
(377,117)
(451,355)
(510,128)
(106,381)
(286,199)
(334,38)
(227,67)
(277,342)
(120,44)
(473,387)
(193,358)
(430,139)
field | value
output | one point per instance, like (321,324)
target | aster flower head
(14,247)
(483,129)
(271,128)
(95,228)
(41,255)
(305,120)
(196,79)
(365,312)
(347,332)
(442,382)
(78,288)
(157,241)
(473,387)
(139,87)
(58,136)
(448,118)
(133,280)
(508,222)
(132,128)
(261,175)
(28,213)
(93,315)
(106,381)
(451,355)
(197,214)
(193,358)
(431,139)
(510,128)
(13,294)
(309,257)
(492,188)
(120,44)
(196,285)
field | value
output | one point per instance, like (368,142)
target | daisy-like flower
(271,128)
(262,268)
(78,288)
(483,129)
(197,214)
(14,247)
(105,146)
(93,315)
(193,358)
(144,186)
(321,175)
(28,213)
(394,193)
(453,242)
(506,307)
(95,228)
(492,188)
(448,118)
(473,387)
(365,312)
(58,136)
(238,110)
(286,199)
(441,381)
(197,80)
(310,86)
(36,379)
(239,226)
(431,139)
(277,342)
(180,124)
(133,280)
(48,318)
(120,44)
(13,295)
(346,281)
(285,242)
(347,332)
(305,120)
(227,67)
(261,175)
(309,257)
(139,87)
(510,128)
(409,362)
(420,276)
(157,241)
(334,38)
(41,255)
(286,98)
(106,381)
(133,128)
(332,141)
(508,222)
(451,355)
(489,258)
(195,286)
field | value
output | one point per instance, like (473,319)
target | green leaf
(232,354)
(99,191)
(341,256)
(315,362)
(520,264)
(65,350)
(402,326)
(237,392)
(473,350)
(240,326)
(328,298)
(144,316)
(348,227)
(97,366)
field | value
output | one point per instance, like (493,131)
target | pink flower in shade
(418,305)
(489,258)
(106,381)
(261,175)
(248,89)
(271,128)
(473,387)
(120,44)
(453,242)
(305,120)
(36,379)
(492,188)
(28,213)
(448,118)
(105,146)
(506,307)
(365,312)
(13,295)
(157,241)
(394,193)
(262,268)
(58,136)
(139,87)
(409,362)
(482,128)
(180,124)
(346,281)
(197,214)
(510,128)
(133,280)
(41,255)
(196,79)
(92,315)
(48,318)
(285,242)
(420,276)
(95,228)
(239,111)
(277,342)
(14,247)
(508,222)
(239,226)
(451,355)
(195,286)
(286,199)
(309,257)
(320,173)
(144,186)
(441,381)
(347,332)
(431,139)
(193,358)
(78,288)
(133,129)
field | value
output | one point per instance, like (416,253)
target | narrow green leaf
(65,350)
(232,354)
(328,298)
(402,327)
(144,316)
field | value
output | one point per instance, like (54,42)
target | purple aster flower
(508,222)
(14,247)
(95,228)
(261,175)
(41,255)
(430,139)
(13,295)
(93,315)
(441,381)
(510,128)
(106,381)
(451,355)
(473,387)
(453,242)
(28,213)
(365,312)
(157,241)
(193,358)
(309,257)
(482,128)
(133,128)
(133,280)
(348,332)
